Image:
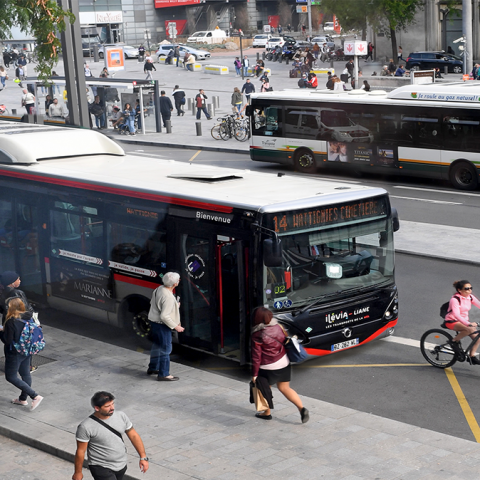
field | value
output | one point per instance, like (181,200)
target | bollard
(14,111)
(39,119)
(198,126)
(194,110)
(445,70)
(258,56)
(168,126)
(189,103)
(263,55)
(280,58)
(217,101)
(211,109)
(287,61)
(30,118)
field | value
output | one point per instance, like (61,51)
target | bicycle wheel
(435,347)
(225,131)
(216,132)
(4,110)
(242,132)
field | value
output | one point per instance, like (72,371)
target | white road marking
(403,341)
(427,200)
(450,192)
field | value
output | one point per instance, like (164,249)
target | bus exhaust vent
(205,177)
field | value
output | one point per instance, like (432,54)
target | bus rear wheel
(305,161)
(464,176)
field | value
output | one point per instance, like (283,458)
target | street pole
(467,34)
(309,10)
(74,72)
(241,53)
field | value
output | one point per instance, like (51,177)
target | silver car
(128,51)
(197,53)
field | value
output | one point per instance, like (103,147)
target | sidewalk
(203,426)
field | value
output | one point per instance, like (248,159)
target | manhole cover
(37,361)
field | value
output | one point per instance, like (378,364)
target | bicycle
(226,129)
(439,349)
(4,110)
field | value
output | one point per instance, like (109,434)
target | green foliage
(42,19)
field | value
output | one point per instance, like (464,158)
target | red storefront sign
(273,20)
(174,3)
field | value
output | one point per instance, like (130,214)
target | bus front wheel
(464,176)
(305,161)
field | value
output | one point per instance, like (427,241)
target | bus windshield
(331,261)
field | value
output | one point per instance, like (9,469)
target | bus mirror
(248,111)
(272,252)
(395,220)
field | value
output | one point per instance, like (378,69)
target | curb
(437,257)
(176,145)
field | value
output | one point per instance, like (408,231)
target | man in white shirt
(55,109)
(28,101)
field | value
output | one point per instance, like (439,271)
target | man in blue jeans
(164,316)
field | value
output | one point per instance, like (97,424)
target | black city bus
(93,230)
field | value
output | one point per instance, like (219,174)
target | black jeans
(16,363)
(102,473)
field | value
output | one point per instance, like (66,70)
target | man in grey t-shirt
(100,436)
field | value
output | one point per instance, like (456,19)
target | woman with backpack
(238,66)
(16,363)
(457,315)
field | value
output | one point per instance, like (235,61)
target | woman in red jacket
(270,359)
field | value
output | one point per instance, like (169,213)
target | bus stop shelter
(112,91)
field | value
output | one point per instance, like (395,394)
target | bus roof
(437,94)
(173,182)
(29,143)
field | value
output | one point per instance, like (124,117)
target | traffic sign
(356,47)
(302,9)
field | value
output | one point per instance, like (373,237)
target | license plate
(346,344)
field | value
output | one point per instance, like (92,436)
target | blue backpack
(31,339)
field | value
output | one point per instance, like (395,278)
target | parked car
(163,50)
(208,36)
(128,51)
(431,60)
(328,26)
(274,41)
(261,40)
(324,39)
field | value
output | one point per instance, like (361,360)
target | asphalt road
(385,378)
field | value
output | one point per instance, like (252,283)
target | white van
(208,36)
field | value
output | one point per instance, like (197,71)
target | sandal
(16,401)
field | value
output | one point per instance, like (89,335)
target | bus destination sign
(327,215)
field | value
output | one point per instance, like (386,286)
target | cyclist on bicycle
(457,316)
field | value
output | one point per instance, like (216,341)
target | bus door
(212,288)
(19,242)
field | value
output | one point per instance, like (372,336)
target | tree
(42,19)
(386,15)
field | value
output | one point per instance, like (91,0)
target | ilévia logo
(333,317)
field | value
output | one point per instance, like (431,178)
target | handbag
(182,101)
(260,403)
(295,351)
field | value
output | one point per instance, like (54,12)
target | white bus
(417,130)
(93,230)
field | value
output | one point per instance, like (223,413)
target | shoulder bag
(108,427)
(296,353)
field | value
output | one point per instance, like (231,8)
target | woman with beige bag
(270,360)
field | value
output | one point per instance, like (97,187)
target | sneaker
(36,402)
(16,401)
(305,415)
(151,372)
(474,360)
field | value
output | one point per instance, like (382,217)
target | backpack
(444,308)
(199,102)
(31,339)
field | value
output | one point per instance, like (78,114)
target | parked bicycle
(231,127)
(4,110)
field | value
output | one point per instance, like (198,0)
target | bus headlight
(333,270)
(392,309)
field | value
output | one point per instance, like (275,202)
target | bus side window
(270,123)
